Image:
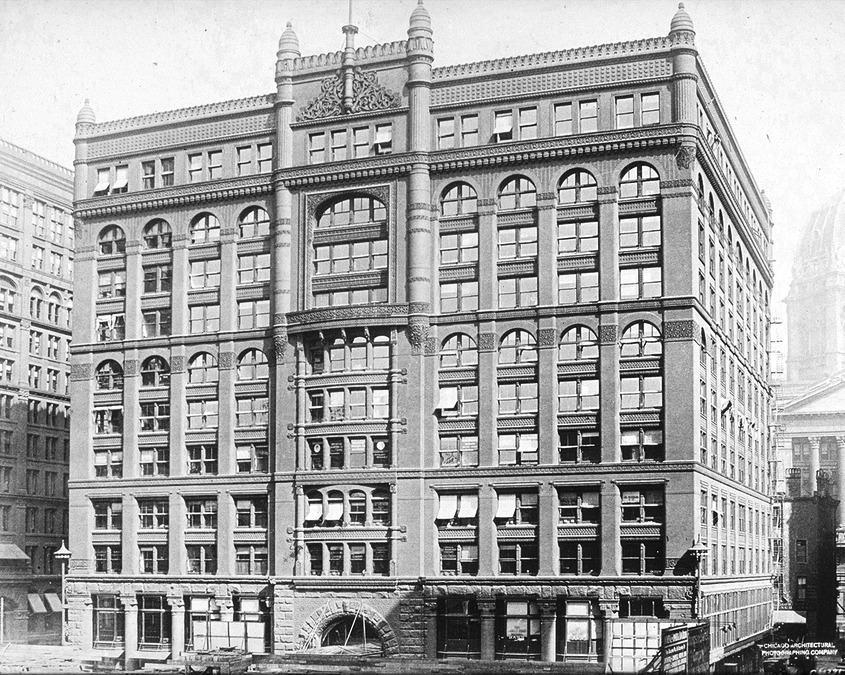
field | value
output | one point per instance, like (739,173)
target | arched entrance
(352,634)
(341,626)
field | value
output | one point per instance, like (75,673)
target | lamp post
(63,555)
(698,552)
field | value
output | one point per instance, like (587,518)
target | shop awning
(53,602)
(787,616)
(36,604)
(150,654)
(12,552)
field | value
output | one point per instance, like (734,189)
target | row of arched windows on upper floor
(202,368)
(41,306)
(577,186)
(204,228)
(577,343)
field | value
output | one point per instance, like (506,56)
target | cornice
(551,59)
(183,195)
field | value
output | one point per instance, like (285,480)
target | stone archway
(315,625)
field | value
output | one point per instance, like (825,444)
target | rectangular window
(107,463)
(639,232)
(9,206)
(245,160)
(154,514)
(167,171)
(154,559)
(195,168)
(579,557)
(518,450)
(446,133)
(383,144)
(588,115)
(202,459)
(317,148)
(253,314)
(108,613)
(155,416)
(624,112)
(642,557)
(461,296)
(517,292)
(9,252)
(577,237)
(253,268)
(148,174)
(265,157)
(800,550)
(361,142)
(563,119)
(578,287)
(338,145)
(121,179)
(577,395)
(201,514)
(251,512)
(154,461)
(503,126)
(458,451)
(459,559)
(518,558)
(642,505)
(108,515)
(157,278)
(517,242)
(201,558)
(156,323)
(527,123)
(579,446)
(205,273)
(650,109)
(252,412)
(251,458)
(469,130)
(461,247)
(640,282)
(204,319)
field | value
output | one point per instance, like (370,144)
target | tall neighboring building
(811,423)
(36,272)
(466,361)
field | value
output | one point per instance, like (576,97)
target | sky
(776,65)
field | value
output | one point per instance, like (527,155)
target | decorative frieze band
(679,330)
(81,371)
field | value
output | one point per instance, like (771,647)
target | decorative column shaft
(815,464)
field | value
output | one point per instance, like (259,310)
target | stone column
(131,414)
(547,251)
(130,622)
(134,290)
(227,406)
(611,517)
(548,629)
(549,553)
(487,556)
(487,609)
(228,278)
(487,398)
(225,537)
(177,521)
(177,625)
(609,390)
(178,414)
(815,463)
(129,537)
(430,610)
(179,288)
(610,612)
(547,380)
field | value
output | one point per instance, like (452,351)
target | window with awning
(448,507)
(507,506)
(53,602)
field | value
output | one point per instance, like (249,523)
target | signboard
(686,649)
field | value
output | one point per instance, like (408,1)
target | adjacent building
(466,361)
(811,423)
(36,272)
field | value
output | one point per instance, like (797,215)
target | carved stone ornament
(227,360)
(81,371)
(547,337)
(177,364)
(367,95)
(679,330)
(486,342)
(280,345)
(685,157)
(417,334)
(607,334)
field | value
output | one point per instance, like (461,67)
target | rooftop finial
(86,114)
(681,21)
(289,43)
(420,21)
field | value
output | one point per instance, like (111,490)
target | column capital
(840,442)
(815,441)
(486,605)
(129,602)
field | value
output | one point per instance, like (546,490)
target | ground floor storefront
(617,623)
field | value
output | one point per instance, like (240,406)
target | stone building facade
(429,359)
(36,258)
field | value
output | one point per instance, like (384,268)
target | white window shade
(335,511)
(507,506)
(102,183)
(36,604)
(53,602)
(590,499)
(448,507)
(448,398)
(120,182)
(384,134)
(315,510)
(504,124)
(468,507)
(630,438)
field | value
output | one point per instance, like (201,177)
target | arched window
(459,199)
(357,508)
(641,339)
(202,368)
(112,240)
(518,346)
(458,350)
(381,508)
(254,222)
(205,228)
(157,234)
(576,187)
(8,294)
(578,343)
(36,303)
(109,375)
(710,204)
(517,193)
(54,305)
(700,187)
(352,210)
(252,365)
(639,180)
(155,372)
